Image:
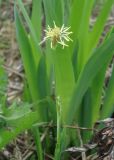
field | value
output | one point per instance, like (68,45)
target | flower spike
(57,35)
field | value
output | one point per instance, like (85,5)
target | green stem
(37,140)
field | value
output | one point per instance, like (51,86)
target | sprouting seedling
(57,35)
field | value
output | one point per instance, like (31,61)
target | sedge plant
(65,68)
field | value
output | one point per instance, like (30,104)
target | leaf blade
(90,69)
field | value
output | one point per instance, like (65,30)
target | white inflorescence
(57,35)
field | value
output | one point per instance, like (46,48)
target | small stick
(81,143)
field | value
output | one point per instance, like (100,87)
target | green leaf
(90,70)
(64,78)
(3,87)
(42,78)
(108,107)
(29,23)
(83,35)
(16,119)
(97,87)
(27,57)
(37,12)
(86,111)
(96,93)
(25,122)
(75,22)
(37,139)
(93,66)
(99,25)
(3,80)
(28,61)
(54,10)
(64,84)
(75,19)
(42,81)
(16,111)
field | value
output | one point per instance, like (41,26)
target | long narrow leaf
(93,66)
(37,23)
(29,23)
(99,25)
(97,87)
(108,107)
(54,10)
(64,78)
(28,60)
(83,35)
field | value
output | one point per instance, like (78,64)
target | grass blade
(108,107)
(99,25)
(28,21)
(37,12)
(83,35)
(36,135)
(28,60)
(54,10)
(62,63)
(99,58)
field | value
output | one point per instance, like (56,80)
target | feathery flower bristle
(57,35)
